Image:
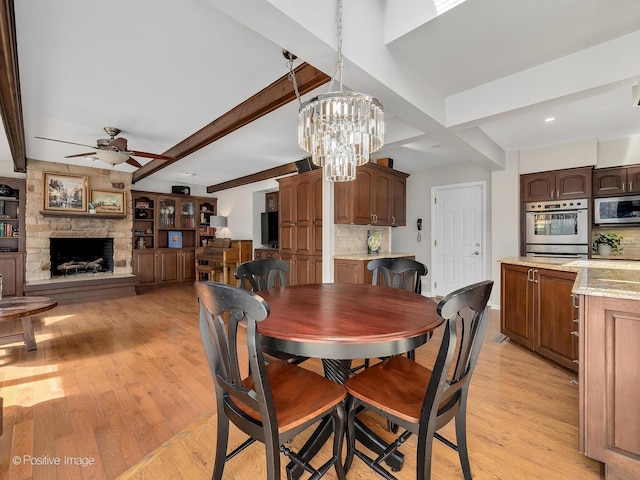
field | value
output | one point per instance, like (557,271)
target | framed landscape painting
(66,193)
(107,201)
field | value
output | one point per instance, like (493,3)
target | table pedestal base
(339,371)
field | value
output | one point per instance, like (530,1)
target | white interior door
(458,233)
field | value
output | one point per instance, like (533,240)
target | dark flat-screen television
(270,229)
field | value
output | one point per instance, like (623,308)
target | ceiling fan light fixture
(112,157)
(340,129)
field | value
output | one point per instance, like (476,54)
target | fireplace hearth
(75,256)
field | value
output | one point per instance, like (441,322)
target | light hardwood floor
(122,385)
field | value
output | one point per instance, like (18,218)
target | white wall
(567,155)
(505,230)
(405,239)
(242,207)
(625,151)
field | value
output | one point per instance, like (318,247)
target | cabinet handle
(623,185)
(576,361)
(529,275)
(630,184)
(574,301)
(557,193)
(533,276)
(576,320)
(575,333)
(393,220)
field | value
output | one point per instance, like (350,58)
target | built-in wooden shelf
(48,213)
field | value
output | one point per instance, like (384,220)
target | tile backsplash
(352,239)
(630,240)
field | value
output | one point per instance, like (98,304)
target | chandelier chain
(292,77)
(337,73)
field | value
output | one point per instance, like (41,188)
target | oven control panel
(578,204)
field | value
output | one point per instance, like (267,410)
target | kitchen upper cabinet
(611,182)
(556,185)
(538,312)
(376,197)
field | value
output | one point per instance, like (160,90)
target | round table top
(16,307)
(346,321)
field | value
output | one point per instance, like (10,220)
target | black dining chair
(403,273)
(261,274)
(271,403)
(422,400)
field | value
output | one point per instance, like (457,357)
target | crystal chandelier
(340,129)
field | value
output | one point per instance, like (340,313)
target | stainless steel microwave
(616,210)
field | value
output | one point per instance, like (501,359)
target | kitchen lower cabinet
(348,270)
(538,312)
(609,384)
(303,269)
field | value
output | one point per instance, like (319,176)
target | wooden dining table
(341,322)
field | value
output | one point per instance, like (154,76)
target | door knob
(476,253)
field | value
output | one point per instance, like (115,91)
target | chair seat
(298,394)
(396,385)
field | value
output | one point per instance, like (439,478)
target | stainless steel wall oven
(557,228)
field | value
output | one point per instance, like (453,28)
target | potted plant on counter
(607,243)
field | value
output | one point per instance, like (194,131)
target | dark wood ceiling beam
(274,96)
(10,100)
(255,177)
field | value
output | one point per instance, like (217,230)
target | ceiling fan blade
(133,162)
(119,143)
(81,155)
(64,141)
(151,155)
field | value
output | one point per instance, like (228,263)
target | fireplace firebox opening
(71,256)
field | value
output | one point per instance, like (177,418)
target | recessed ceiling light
(436,146)
(549,119)
(189,174)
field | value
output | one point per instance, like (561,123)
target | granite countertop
(372,256)
(605,278)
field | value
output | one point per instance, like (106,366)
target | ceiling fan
(112,150)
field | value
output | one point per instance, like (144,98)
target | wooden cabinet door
(608,182)
(573,183)
(188,265)
(633,179)
(144,266)
(381,200)
(348,271)
(286,217)
(363,194)
(538,187)
(303,212)
(316,239)
(168,265)
(12,269)
(290,276)
(303,268)
(516,311)
(398,201)
(555,315)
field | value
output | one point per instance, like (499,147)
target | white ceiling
(474,82)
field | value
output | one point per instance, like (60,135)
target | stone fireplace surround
(40,228)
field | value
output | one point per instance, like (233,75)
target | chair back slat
(262,274)
(401,273)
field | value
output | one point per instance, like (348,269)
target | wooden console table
(22,308)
